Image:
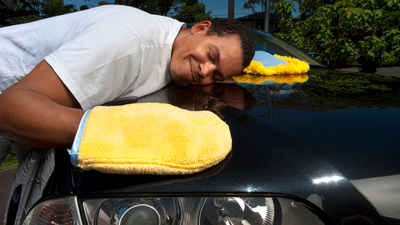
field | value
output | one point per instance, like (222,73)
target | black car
(317,56)
(320,148)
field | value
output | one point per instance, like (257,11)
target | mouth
(193,76)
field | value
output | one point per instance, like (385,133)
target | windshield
(274,45)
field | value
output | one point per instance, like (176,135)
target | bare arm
(39,110)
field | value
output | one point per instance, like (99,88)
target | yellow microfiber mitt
(266,64)
(152,138)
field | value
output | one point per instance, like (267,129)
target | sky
(219,8)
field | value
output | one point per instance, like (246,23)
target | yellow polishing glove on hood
(150,138)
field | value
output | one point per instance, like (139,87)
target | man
(74,62)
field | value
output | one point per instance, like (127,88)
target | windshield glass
(273,45)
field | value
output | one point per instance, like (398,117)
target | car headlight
(199,211)
(177,210)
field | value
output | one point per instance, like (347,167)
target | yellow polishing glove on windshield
(264,63)
(150,138)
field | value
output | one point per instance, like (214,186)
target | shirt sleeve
(99,64)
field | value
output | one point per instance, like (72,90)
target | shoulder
(137,18)
(167,22)
(141,24)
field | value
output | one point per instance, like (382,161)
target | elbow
(5,110)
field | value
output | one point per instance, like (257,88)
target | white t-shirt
(99,54)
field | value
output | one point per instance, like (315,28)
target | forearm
(31,118)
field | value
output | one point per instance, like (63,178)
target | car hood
(309,136)
(316,137)
(345,123)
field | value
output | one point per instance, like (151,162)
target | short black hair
(225,26)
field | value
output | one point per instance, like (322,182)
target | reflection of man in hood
(213,97)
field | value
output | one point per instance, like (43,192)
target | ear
(201,27)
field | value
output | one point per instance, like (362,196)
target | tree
(159,7)
(15,12)
(191,11)
(57,7)
(23,11)
(252,4)
(286,8)
(83,7)
(309,7)
(348,30)
(103,3)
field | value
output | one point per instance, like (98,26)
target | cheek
(176,69)
(177,63)
(198,51)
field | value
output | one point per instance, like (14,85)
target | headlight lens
(237,211)
(141,214)
(132,211)
(198,210)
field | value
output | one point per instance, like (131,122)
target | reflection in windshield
(274,45)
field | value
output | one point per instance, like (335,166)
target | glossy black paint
(281,151)
(342,124)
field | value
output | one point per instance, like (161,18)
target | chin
(175,76)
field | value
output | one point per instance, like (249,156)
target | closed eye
(213,54)
(210,58)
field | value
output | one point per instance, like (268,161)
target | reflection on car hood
(347,119)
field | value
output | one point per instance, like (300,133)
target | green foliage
(57,7)
(84,7)
(284,10)
(14,12)
(23,11)
(191,11)
(251,4)
(103,3)
(159,7)
(367,31)
(10,161)
(187,10)
(20,19)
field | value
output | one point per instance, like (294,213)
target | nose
(206,69)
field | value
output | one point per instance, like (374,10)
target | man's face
(199,58)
